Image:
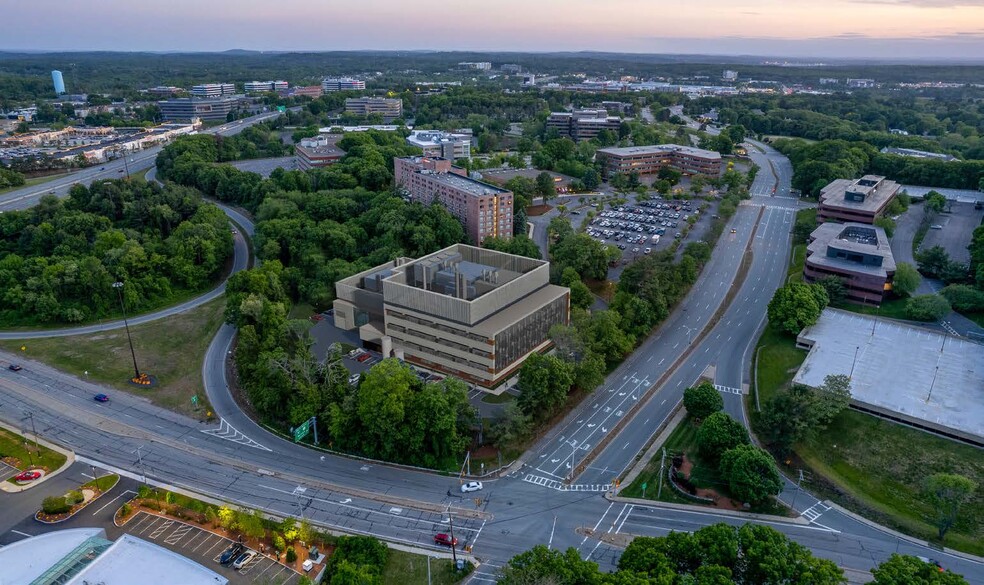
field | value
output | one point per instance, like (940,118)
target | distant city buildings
(583,124)
(185,109)
(319,151)
(860,83)
(265,86)
(473,313)
(441,144)
(58,81)
(919,153)
(212,90)
(388,108)
(342,84)
(829,81)
(511,68)
(484,210)
(859,200)
(476,65)
(858,254)
(648,160)
(729,75)
(164,90)
(311,91)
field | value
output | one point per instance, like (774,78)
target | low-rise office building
(583,124)
(483,209)
(311,91)
(469,312)
(342,84)
(861,200)
(911,152)
(186,109)
(212,90)
(319,151)
(857,253)
(368,106)
(441,144)
(648,160)
(265,86)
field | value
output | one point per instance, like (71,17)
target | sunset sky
(796,28)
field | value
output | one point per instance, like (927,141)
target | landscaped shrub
(125,510)
(291,555)
(278,543)
(55,505)
(74,497)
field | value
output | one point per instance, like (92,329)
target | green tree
(544,382)
(906,279)
(906,570)
(934,202)
(581,296)
(348,573)
(545,186)
(543,565)
(250,523)
(927,307)
(702,400)
(796,305)
(751,474)
(947,492)
(719,433)
(591,179)
(767,556)
(835,287)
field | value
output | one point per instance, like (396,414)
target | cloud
(926,3)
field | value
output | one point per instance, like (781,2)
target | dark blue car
(101,398)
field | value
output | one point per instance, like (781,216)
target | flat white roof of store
(905,369)
(26,560)
(132,560)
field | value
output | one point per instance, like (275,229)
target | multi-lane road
(238,461)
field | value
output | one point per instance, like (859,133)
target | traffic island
(19,454)
(57,509)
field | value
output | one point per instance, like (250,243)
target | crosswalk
(563,487)
(815,511)
(728,389)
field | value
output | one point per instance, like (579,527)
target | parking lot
(641,228)
(953,230)
(7,471)
(205,547)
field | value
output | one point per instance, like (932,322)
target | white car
(472,486)
(244,559)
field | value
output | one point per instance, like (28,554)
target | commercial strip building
(901,372)
(468,312)
(212,90)
(186,109)
(367,106)
(441,144)
(265,86)
(583,124)
(79,556)
(648,160)
(319,151)
(483,209)
(342,84)
(857,253)
(859,200)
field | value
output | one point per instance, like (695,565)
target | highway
(238,461)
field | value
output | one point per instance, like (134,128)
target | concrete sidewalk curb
(751,516)
(668,426)
(10,488)
(84,504)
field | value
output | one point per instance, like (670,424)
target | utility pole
(428,570)
(454,554)
(35,432)
(119,290)
(662,464)
(143,473)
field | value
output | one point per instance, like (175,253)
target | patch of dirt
(534,210)
(719,501)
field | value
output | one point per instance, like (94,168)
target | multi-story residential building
(311,91)
(485,210)
(857,253)
(477,65)
(469,312)
(648,160)
(367,106)
(319,151)
(861,200)
(211,90)
(583,124)
(185,109)
(441,144)
(342,84)
(265,86)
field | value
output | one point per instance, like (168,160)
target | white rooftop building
(442,144)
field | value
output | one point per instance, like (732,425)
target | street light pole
(454,554)
(119,290)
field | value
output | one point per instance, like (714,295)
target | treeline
(466,104)
(10,178)
(58,260)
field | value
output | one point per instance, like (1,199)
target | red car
(445,539)
(363,358)
(29,475)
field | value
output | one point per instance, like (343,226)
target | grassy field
(103,483)
(170,349)
(33,182)
(892,308)
(777,362)
(404,568)
(798,261)
(19,451)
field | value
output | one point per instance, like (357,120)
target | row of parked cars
(631,224)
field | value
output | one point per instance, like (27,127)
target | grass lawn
(778,359)
(683,439)
(32,182)
(171,349)
(798,261)
(403,567)
(893,308)
(498,398)
(19,451)
(103,483)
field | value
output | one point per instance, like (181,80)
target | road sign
(281,108)
(302,430)
(194,399)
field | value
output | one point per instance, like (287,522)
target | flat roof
(26,560)
(660,149)
(132,560)
(466,184)
(432,137)
(876,196)
(844,236)
(501,319)
(918,374)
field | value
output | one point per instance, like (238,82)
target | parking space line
(175,537)
(195,537)
(273,579)
(269,566)
(160,530)
(206,539)
(213,546)
(252,564)
(153,520)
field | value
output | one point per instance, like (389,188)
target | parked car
(734,231)
(649,251)
(354,379)
(472,486)
(933,562)
(445,539)
(363,358)
(101,398)
(14,368)
(936,226)
(29,475)
(243,559)
(229,554)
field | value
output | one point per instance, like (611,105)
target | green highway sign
(302,430)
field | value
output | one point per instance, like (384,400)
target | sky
(883,29)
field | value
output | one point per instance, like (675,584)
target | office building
(911,152)
(729,75)
(469,312)
(319,151)
(583,124)
(58,81)
(476,65)
(212,90)
(79,556)
(185,109)
(342,84)
(648,160)
(511,68)
(861,83)
(441,144)
(483,209)
(164,90)
(264,86)
(857,253)
(311,91)
(861,200)
(368,106)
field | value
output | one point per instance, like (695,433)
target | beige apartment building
(388,108)
(465,311)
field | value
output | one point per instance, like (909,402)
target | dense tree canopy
(796,305)
(702,400)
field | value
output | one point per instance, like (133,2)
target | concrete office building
(857,253)
(212,90)
(164,90)
(185,109)
(483,209)
(311,91)
(861,200)
(648,160)
(476,65)
(317,152)
(342,84)
(58,81)
(265,86)
(441,144)
(469,312)
(388,108)
(583,124)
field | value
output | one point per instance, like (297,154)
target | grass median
(19,451)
